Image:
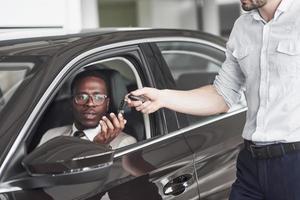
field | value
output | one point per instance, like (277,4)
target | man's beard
(254,5)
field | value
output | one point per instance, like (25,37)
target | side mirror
(69,160)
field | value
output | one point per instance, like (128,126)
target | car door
(158,166)
(215,140)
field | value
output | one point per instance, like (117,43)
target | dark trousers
(267,179)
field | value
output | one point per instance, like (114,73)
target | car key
(122,106)
(123,103)
(141,98)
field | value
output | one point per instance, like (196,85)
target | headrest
(118,89)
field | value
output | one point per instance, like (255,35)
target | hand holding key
(147,100)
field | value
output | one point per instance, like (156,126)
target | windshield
(11,76)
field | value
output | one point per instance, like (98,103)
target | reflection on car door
(170,176)
(215,140)
(216,146)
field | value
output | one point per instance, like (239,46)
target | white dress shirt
(263,60)
(121,140)
(89,134)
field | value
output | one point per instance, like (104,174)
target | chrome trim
(16,64)
(5,189)
(84,169)
(185,52)
(182,131)
(78,58)
(91,156)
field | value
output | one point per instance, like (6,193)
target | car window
(123,78)
(11,76)
(192,65)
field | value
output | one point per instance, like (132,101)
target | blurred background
(42,17)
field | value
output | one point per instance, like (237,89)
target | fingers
(111,127)
(142,91)
(108,123)
(122,121)
(103,129)
(110,133)
(134,103)
(153,103)
(143,106)
(118,122)
(99,138)
(148,107)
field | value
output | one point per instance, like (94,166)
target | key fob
(122,106)
(123,103)
(137,98)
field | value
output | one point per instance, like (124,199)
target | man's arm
(201,101)
(207,100)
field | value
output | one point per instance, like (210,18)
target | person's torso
(269,57)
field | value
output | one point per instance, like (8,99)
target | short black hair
(102,74)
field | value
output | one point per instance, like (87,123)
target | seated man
(90,103)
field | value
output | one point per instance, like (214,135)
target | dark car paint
(53,55)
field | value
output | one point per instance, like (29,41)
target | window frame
(203,120)
(133,53)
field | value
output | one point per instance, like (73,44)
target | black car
(176,156)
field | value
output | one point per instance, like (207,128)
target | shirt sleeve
(230,80)
(122,140)
(127,141)
(55,132)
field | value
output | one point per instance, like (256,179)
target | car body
(177,156)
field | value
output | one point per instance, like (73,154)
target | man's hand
(153,103)
(110,128)
(201,101)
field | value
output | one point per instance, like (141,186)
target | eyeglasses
(83,98)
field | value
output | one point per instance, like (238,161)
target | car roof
(50,45)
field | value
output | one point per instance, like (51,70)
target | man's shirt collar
(283,7)
(90,133)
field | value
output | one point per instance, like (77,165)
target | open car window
(123,79)
(194,65)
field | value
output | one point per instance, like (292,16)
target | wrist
(163,103)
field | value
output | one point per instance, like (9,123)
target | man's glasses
(82,99)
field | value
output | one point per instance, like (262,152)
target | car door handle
(177,185)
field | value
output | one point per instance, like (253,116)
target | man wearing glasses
(90,103)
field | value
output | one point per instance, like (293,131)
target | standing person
(90,105)
(263,60)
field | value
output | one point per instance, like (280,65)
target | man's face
(88,115)
(248,5)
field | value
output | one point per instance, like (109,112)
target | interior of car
(122,79)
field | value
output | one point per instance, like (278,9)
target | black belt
(272,150)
